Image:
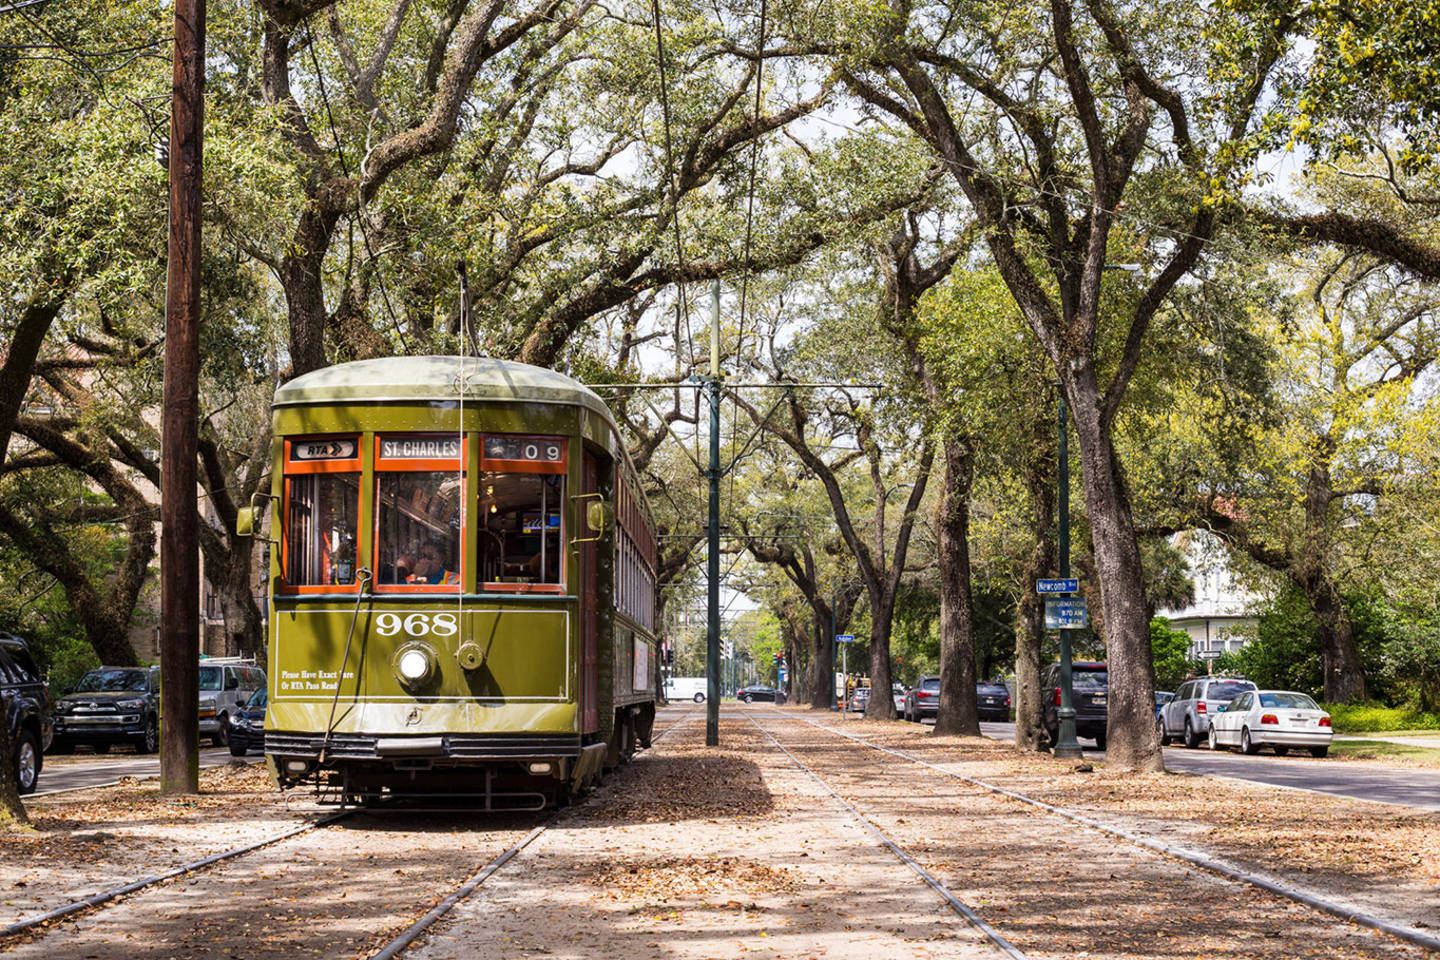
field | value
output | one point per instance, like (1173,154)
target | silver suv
(226,685)
(1188,716)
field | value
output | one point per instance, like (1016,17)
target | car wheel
(1160,729)
(1246,746)
(222,732)
(1214,740)
(1319,752)
(100,747)
(1191,740)
(749,699)
(62,746)
(1282,751)
(149,741)
(238,747)
(699,698)
(1099,741)
(27,762)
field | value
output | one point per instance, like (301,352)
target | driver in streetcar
(431,566)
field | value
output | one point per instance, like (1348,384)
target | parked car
(1089,689)
(993,701)
(1279,719)
(1188,716)
(225,686)
(1162,697)
(923,699)
(751,694)
(897,690)
(247,726)
(25,705)
(108,706)
(859,700)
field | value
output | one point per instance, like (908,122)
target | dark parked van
(1089,688)
(25,703)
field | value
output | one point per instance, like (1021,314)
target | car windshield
(1227,691)
(210,678)
(1090,679)
(257,701)
(931,684)
(114,681)
(1294,701)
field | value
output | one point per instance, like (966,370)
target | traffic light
(777,658)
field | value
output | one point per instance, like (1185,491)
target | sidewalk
(1420,740)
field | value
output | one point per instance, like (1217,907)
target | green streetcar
(462,585)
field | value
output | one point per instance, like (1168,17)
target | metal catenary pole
(712,702)
(179,571)
(1066,745)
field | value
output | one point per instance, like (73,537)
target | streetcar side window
(321,511)
(419,512)
(521,528)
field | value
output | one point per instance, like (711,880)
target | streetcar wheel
(27,762)
(1246,745)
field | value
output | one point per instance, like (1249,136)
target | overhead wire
(359,197)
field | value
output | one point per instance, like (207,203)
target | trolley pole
(179,571)
(1067,746)
(712,702)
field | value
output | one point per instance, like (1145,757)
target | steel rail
(954,902)
(1397,930)
(413,932)
(96,900)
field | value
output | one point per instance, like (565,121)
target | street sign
(1208,654)
(1068,585)
(1068,613)
(844,638)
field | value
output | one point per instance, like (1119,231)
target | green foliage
(1375,718)
(1168,648)
(1285,654)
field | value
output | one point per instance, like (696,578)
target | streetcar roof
(399,379)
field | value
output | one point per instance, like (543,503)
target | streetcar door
(589,612)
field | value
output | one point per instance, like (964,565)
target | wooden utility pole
(179,554)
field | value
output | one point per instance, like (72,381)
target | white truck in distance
(686,688)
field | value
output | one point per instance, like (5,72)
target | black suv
(26,706)
(111,705)
(1089,689)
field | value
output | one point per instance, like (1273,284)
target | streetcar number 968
(417,624)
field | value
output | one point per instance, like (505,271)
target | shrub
(1374,718)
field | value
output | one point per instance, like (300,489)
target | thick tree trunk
(1133,741)
(1030,613)
(12,811)
(1344,672)
(958,713)
(822,672)
(882,614)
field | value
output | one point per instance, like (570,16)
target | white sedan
(1276,718)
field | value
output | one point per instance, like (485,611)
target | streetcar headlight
(415,665)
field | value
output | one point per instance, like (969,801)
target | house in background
(1221,619)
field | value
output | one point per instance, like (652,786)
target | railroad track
(1250,879)
(303,872)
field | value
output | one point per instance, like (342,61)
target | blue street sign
(1068,613)
(1068,585)
(844,638)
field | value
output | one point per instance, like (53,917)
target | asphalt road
(99,770)
(1411,788)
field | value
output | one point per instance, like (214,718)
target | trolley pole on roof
(179,571)
(712,652)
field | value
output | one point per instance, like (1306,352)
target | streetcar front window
(321,511)
(520,528)
(418,528)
